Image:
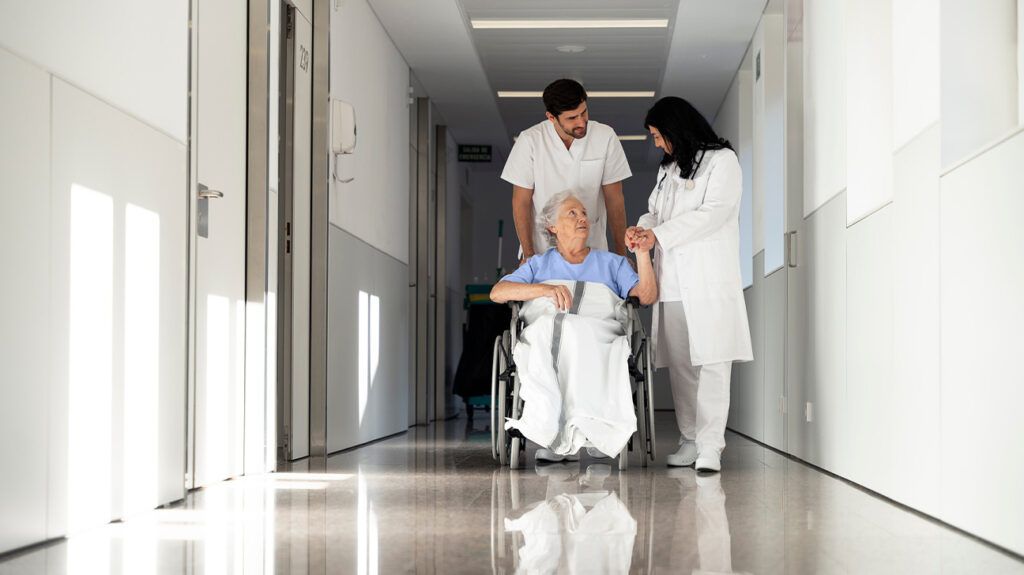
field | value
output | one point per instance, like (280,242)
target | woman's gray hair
(549,214)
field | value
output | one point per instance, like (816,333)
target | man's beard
(577,133)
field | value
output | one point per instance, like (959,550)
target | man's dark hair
(563,95)
(686,130)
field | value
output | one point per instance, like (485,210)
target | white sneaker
(685,456)
(709,462)
(544,454)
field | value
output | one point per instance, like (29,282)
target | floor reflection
(431,501)
(701,538)
(581,525)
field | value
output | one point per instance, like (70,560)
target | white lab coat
(698,248)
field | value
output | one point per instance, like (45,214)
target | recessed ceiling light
(605,94)
(622,94)
(633,138)
(495,24)
(571,48)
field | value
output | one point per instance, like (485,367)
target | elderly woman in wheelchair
(576,357)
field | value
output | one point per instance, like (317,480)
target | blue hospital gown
(599,266)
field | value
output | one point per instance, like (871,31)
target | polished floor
(432,501)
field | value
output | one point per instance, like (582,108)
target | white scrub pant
(700,393)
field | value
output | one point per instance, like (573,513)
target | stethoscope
(688,183)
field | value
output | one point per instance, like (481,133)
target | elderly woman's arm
(647,290)
(506,291)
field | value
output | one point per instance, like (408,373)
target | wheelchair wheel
(506,399)
(649,399)
(642,421)
(495,395)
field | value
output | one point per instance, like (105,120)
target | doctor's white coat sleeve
(723,194)
(650,219)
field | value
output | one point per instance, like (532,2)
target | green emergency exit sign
(474,153)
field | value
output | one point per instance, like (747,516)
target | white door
(218,177)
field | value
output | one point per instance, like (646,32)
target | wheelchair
(508,447)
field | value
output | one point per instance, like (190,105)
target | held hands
(639,239)
(560,295)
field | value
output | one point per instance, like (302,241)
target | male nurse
(568,151)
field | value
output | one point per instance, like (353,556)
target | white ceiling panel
(695,57)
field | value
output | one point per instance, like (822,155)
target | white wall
(368,72)
(25,333)
(368,372)
(824,72)
(905,309)
(982,271)
(915,68)
(367,323)
(133,55)
(869,106)
(768,130)
(94,332)
(733,122)
(978,73)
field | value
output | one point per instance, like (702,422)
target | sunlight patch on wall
(141,358)
(90,358)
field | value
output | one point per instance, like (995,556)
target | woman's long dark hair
(686,130)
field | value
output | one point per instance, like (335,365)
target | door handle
(791,249)
(206,193)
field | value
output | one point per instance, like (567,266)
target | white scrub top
(540,161)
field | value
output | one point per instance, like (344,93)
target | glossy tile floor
(432,501)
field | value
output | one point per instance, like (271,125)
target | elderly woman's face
(572,221)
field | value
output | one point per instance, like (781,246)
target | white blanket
(574,372)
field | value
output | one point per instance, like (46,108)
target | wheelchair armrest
(634,302)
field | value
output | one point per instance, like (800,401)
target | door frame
(284,278)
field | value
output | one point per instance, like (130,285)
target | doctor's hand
(644,241)
(561,296)
(633,235)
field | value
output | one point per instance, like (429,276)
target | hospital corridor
(311,287)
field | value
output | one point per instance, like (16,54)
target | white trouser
(700,393)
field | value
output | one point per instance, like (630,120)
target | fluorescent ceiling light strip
(498,24)
(636,94)
(605,94)
(632,138)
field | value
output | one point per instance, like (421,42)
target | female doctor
(700,324)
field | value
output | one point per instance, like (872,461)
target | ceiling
(462,68)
